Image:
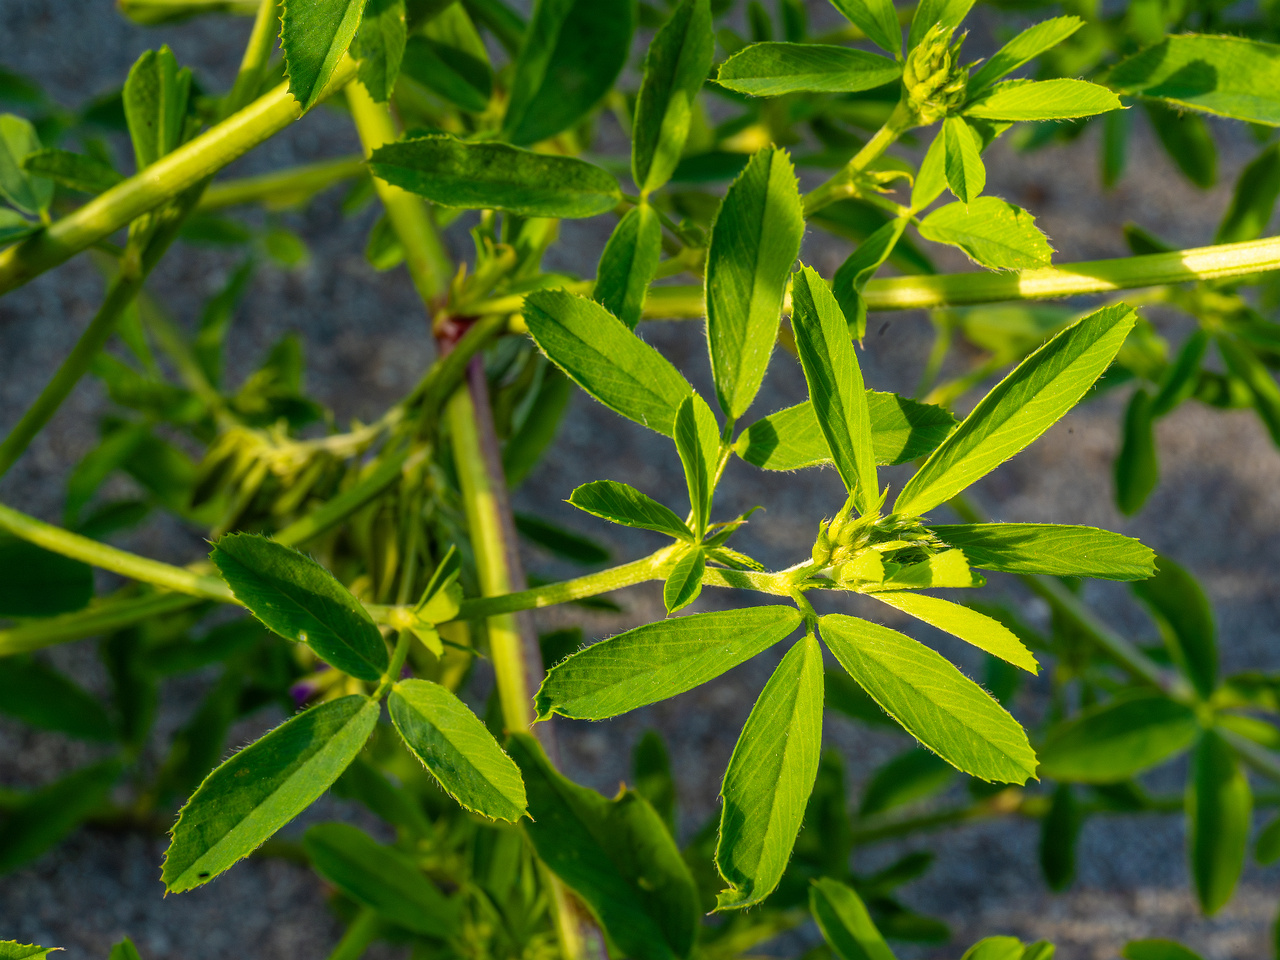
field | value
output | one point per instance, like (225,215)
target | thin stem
(284,188)
(362,931)
(257,54)
(844,183)
(1254,754)
(111,614)
(396,665)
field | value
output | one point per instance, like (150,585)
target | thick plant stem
(163,180)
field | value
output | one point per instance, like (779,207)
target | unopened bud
(934,80)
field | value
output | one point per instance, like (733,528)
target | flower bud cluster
(856,550)
(934,80)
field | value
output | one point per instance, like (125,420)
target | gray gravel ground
(1217,511)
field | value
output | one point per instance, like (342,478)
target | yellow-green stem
(844,184)
(257,54)
(283,188)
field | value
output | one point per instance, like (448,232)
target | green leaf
(379,46)
(14,226)
(697,437)
(35,582)
(860,266)
(1254,199)
(43,817)
(1027,45)
(909,776)
(659,660)
(556,540)
(1187,140)
(454,745)
(75,170)
(901,430)
(1050,548)
(380,878)
(878,20)
(573,51)
(1137,467)
(836,391)
(966,176)
(1267,849)
(30,194)
(124,950)
(620,503)
(605,358)
(995,948)
(12,950)
(845,923)
(774,69)
(1023,405)
(155,105)
(969,625)
(948,13)
(615,854)
(1225,76)
(993,232)
(628,264)
(651,770)
(931,699)
(454,173)
(1157,950)
(1114,741)
(300,600)
(264,786)
(1060,99)
(754,241)
(462,79)
(675,67)
(684,583)
(1178,605)
(1245,365)
(314,36)
(1116,128)
(931,178)
(1219,805)
(769,778)
(524,450)
(1059,833)
(946,569)
(42,697)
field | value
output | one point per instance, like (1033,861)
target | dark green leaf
(1050,548)
(659,660)
(155,105)
(301,600)
(908,777)
(1027,45)
(1181,377)
(606,359)
(1244,363)
(1219,805)
(628,263)
(948,13)
(620,503)
(124,950)
(1267,849)
(1060,99)
(30,194)
(651,768)
(684,582)
(1254,199)
(675,68)
(534,435)
(901,430)
(836,391)
(845,923)
(1114,741)
(1116,127)
(852,275)
(877,19)
(35,582)
(74,170)
(41,697)
(573,51)
(380,878)
(966,176)
(264,786)
(931,699)
(615,854)
(1157,950)
(454,74)
(379,46)
(563,543)
(314,36)
(455,173)
(1186,138)
(769,778)
(1059,832)
(14,226)
(844,695)
(1178,604)
(774,69)
(754,242)
(993,232)
(1023,405)
(45,816)
(970,626)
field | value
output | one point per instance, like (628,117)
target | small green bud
(822,546)
(934,80)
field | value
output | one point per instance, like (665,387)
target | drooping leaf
(1027,45)
(556,540)
(769,778)
(1267,848)
(1187,140)
(620,503)
(524,450)
(1245,365)
(455,746)
(754,241)
(302,601)
(931,699)
(1157,950)
(379,46)
(877,19)
(659,660)
(948,13)
(380,878)
(573,50)
(931,178)
(966,176)
(75,170)
(774,69)
(908,777)
(1060,99)
(42,697)
(1219,805)
(675,68)
(1050,548)
(1116,740)
(1225,76)
(836,391)
(852,275)
(845,923)
(29,193)
(1137,466)
(1059,832)
(314,37)
(605,358)
(1253,200)
(35,582)
(901,430)
(697,437)
(627,264)
(615,854)
(461,78)
(474,175)
(651,769)
(995,948)
(684,583)
(43,817)
(155,105)
(1038,392)
(969,625)
(1178,604)
(264,786)
(993,232)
